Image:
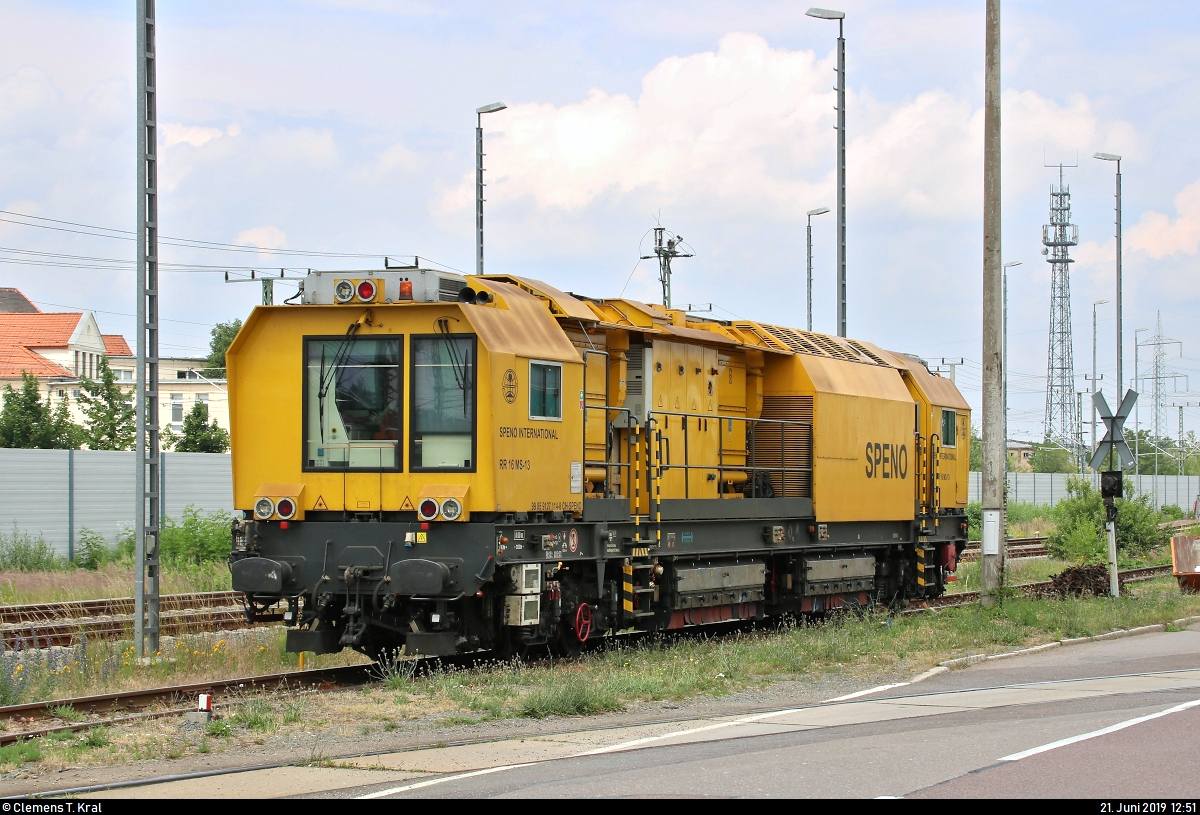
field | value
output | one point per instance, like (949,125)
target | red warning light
(366,291)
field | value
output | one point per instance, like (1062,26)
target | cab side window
(949,428)
(545,390)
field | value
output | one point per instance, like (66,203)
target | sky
(347,126)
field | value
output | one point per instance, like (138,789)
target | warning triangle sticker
(407,505)
(320,503)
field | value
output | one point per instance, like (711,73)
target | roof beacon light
(343,291)
(285,508)
(406,290)
(451,509)
(428,509)
(366,291)
(264,508)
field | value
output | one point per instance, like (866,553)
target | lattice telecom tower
(1062,415)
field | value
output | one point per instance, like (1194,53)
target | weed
(219,728)
(96,737)
(22,552)
(293,712)
(578,698)
(92,551)
(65,712)
(20,753)
(203,746)
(395,671)
(256,714)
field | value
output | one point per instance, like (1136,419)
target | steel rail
(112,606)
(133,702)
(963,598)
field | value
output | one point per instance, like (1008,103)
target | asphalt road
(912,752)
(989,730)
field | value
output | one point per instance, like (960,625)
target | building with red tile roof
(60,348)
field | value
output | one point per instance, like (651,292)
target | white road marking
(431,782)
(1103,731)
(857,694)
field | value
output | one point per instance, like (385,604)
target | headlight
(343,291)
(427,509)
(451,509)
(264,508)
(286,508)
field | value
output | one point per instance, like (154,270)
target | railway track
(133,705)
(45,625)
(963,598)
(173,700)
(112,606)
(1016,549)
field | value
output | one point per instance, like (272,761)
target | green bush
(92,550)
(1080,535)
(197,538)
(22,552)
(1171,512)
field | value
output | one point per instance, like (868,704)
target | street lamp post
(1095,378)
(1120,354)
(811,213)
(1137,451)
(492,108)
(829,14)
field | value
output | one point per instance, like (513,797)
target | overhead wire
(192,243)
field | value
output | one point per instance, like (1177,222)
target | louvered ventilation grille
(636,356)
(804,342)
(793,448)
(448,289)
(862,349)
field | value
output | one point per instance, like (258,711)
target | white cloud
(1159,235)
(264,237)
(175,133)
(718,123)
(748,129)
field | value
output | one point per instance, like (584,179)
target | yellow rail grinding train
(447,463)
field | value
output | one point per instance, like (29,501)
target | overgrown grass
(870,646)
(674,669)
(106,666)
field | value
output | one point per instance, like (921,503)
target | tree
(111,422)
(27,422)
(200,435)
(222,338)
(976,451)
(1050,458)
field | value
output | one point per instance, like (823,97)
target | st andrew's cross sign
(1114,437)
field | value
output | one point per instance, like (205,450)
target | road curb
(962,662)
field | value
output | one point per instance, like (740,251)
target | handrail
(750,451)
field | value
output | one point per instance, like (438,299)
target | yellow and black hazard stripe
(627,586)
(923,563)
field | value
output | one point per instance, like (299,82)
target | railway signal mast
(666,251)
(148,500)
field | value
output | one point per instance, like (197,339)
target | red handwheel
(583,622)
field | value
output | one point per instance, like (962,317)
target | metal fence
(56,493)
(1049,488)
